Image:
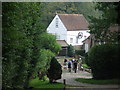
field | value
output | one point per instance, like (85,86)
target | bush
(104,61)
(71,51)
(80,52)
(55,70)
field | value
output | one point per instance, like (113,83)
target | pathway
(70,76)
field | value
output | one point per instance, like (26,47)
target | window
(76,39)
(71,40)
(56,22)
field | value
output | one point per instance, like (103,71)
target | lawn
(85,66)
(93,81)
(36,83)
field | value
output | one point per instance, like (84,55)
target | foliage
(55,70)
(93,81)
(22,52)
(86,59)
(80,52)
(70,51)
(36,83)
(87,9)
(85,66)
(104,61)
(49,42)
(109,17)
(44,60)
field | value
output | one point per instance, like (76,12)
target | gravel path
(70,76)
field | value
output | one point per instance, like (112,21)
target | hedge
(70,51)
(55,70)
(80,52)
(104,61)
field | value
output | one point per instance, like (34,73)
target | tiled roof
(63,43)
(74,21)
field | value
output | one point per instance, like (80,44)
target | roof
(63,43)
(74,21)
(86,39)
(114,28)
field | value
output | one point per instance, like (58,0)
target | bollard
(64,81)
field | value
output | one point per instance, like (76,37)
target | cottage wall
(59,31)
(74,34)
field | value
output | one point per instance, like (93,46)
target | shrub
(80,52)
(104,61)
(71,51)
(55,70)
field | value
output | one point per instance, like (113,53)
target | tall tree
(22,52)
(108,18)
(70,51)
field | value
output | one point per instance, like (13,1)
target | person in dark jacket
(65,60)
(75,66)
(69,66)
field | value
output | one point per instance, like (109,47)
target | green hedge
(70,51)
(104,61)
(80,52)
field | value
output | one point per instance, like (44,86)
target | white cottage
(73,28)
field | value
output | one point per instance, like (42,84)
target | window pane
(76,39)
(71,40)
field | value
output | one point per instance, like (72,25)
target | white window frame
(71,40)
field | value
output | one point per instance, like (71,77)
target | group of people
(71,64)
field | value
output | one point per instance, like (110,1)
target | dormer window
(56,22)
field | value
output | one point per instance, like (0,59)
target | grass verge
(36,83)
(93,81)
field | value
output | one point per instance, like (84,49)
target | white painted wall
(74,34)
(61,31)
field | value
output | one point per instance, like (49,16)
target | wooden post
(64,81)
